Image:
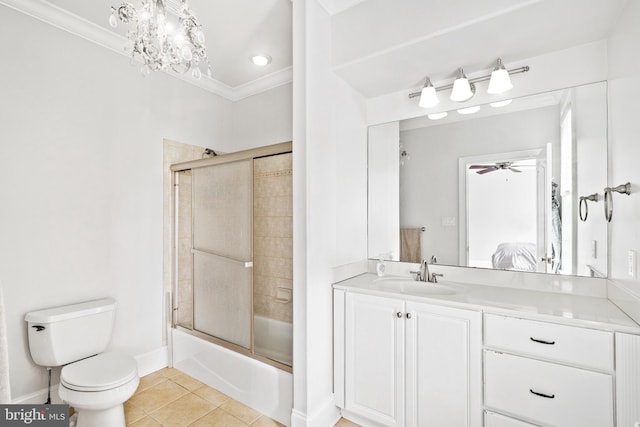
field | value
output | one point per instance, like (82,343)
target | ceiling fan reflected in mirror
(499,166)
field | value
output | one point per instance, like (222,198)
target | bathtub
(273,339)
(262,387)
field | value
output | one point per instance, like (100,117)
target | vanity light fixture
(463,88)
(437,116)
(261,60)
(499,104)
(428,97)
(469,110)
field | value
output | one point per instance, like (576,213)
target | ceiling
(378,46)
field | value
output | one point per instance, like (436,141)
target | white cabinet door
(374,358)
(444,366)
(628,380)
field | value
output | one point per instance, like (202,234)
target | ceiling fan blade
(481,166)
(515,170)
(487,170)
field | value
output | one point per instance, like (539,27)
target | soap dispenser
(380,267)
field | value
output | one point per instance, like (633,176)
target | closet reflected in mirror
(498,189)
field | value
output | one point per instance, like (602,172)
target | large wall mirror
(513,186)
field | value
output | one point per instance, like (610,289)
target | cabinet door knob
(408,315)
(399,315)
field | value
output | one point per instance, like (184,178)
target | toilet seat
(102,372)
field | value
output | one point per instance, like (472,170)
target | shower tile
(279,226)
(240,411)
(218,418)
(183,411)
(212,395)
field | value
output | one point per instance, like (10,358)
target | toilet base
(112,417)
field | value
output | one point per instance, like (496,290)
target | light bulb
(196,73)
(113,21)
(261,60)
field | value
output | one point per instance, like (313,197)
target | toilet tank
(62,335)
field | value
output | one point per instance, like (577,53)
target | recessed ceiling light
(437,116)
(501,103)
(469,110)
(261,60)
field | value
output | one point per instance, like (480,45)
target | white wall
(263,119)
(81,152)
(329,135)
(624,145)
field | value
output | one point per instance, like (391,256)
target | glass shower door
(222,251)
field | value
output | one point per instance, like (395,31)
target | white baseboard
(325,415)
(152,361)
(38,397)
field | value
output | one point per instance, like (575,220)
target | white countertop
(578,310)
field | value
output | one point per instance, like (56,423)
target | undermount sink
(407,285)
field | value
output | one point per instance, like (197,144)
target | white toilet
(94,383)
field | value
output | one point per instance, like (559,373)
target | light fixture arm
(517,70)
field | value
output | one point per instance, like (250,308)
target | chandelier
(161,42)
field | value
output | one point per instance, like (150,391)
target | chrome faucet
(423,274)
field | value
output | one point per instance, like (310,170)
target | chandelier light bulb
(500,81)
(113,21)
(196,73)
(461,88)
(428,96)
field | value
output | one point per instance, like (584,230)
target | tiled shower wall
(272,237)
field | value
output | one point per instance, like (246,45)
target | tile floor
(169,398)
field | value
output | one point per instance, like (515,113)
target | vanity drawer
(492,419)
(544,392)
(580,346)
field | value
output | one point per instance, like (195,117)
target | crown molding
(78,26)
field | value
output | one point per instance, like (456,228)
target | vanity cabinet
(404,363)
(547,374)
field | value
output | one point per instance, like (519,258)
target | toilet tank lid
(56,314)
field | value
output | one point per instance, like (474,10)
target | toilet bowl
(94,382)
(96,388)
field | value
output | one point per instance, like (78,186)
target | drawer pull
(542,341)
(548,396)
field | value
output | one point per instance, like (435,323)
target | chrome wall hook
(584,213)
(608,202)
